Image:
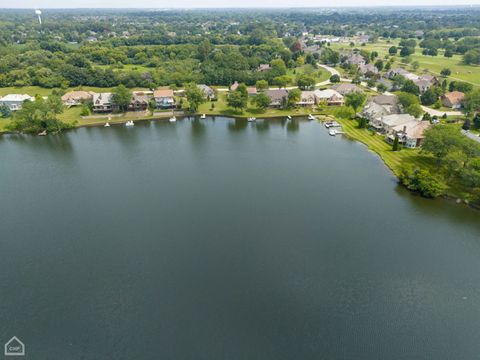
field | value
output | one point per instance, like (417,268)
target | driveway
(471,135)
(434,112)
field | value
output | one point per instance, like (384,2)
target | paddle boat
(107,124)
(332,132)
(129,123)
(311,117)
(250,119)
(289,117)
(43,133)
(203,116)
(172,119)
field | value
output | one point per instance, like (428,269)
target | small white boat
(332,132)
(203,116)
(172,119)
(250,119)
(129,123)
(311,117)
(289,117)
(43,133)
(107,124)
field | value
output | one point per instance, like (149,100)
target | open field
(432,64)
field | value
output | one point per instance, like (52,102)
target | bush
(335,78)
(421,181)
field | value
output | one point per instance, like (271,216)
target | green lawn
(36,90)
(221,108)
(320,74)
(395,160)
(432,64)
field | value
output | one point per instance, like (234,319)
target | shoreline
(320,117)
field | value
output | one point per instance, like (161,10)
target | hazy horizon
(195,4)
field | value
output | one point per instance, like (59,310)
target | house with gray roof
(15,101)
(278,97)
(346,88)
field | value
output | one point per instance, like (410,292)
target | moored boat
(107,124)
(172,119)
(250,119)
(129,123)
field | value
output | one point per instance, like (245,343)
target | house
(346,88)
(139,102)
(353,59)
(307,98)
(15,101)
(378,107)
(102,102)
(410,134)
(164,98)
(208,92)
(425,82)
(74,98)
(234,86)
(367,69)
(453,99)
(330,96)
(278,97)
(263,67)
(252,91)
(391,121)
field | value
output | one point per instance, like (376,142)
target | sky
(43,4)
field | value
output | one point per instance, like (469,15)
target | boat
(107,124)
(172,119)
(250,119)
(129,123)
(203,116)
(311,117)
(332,132)
(43,133)
(289,117)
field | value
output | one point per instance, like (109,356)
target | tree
(262,101)
(410,87)
(472,57)
(334,78)
(422,181)
(55,104)
(121,97)
(440,140)
(392,50)
(429,97)
(381,88)
(476,121)
(445,72)
(195,97)
(406,51)
(305,81)
(4,111)
(410,103)
(282,81)
(379,64)
(355,100)
(293,97)
(36,116)
(261,85)
(236,100)
(396,145)
(471,101)
(466,124)
(415,65)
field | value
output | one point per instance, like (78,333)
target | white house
(15,101)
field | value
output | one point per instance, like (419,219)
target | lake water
(222,239)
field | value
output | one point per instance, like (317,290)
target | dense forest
(175,47)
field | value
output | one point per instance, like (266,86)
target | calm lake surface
(222,239)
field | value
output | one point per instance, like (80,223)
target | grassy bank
(395,160)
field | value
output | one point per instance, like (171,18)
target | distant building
(208,92)
(389,122)
(346,88)
(139,102)
(453,99)
(330,96)
(307,98)
(252,91)
(164,98)
(410,134)
(263,67)
(234,86)
(277,97)
(378,107)
(102,102)
(74,98)
(15,101)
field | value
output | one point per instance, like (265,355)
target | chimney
(404,129)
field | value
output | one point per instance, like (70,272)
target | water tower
(39,14)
